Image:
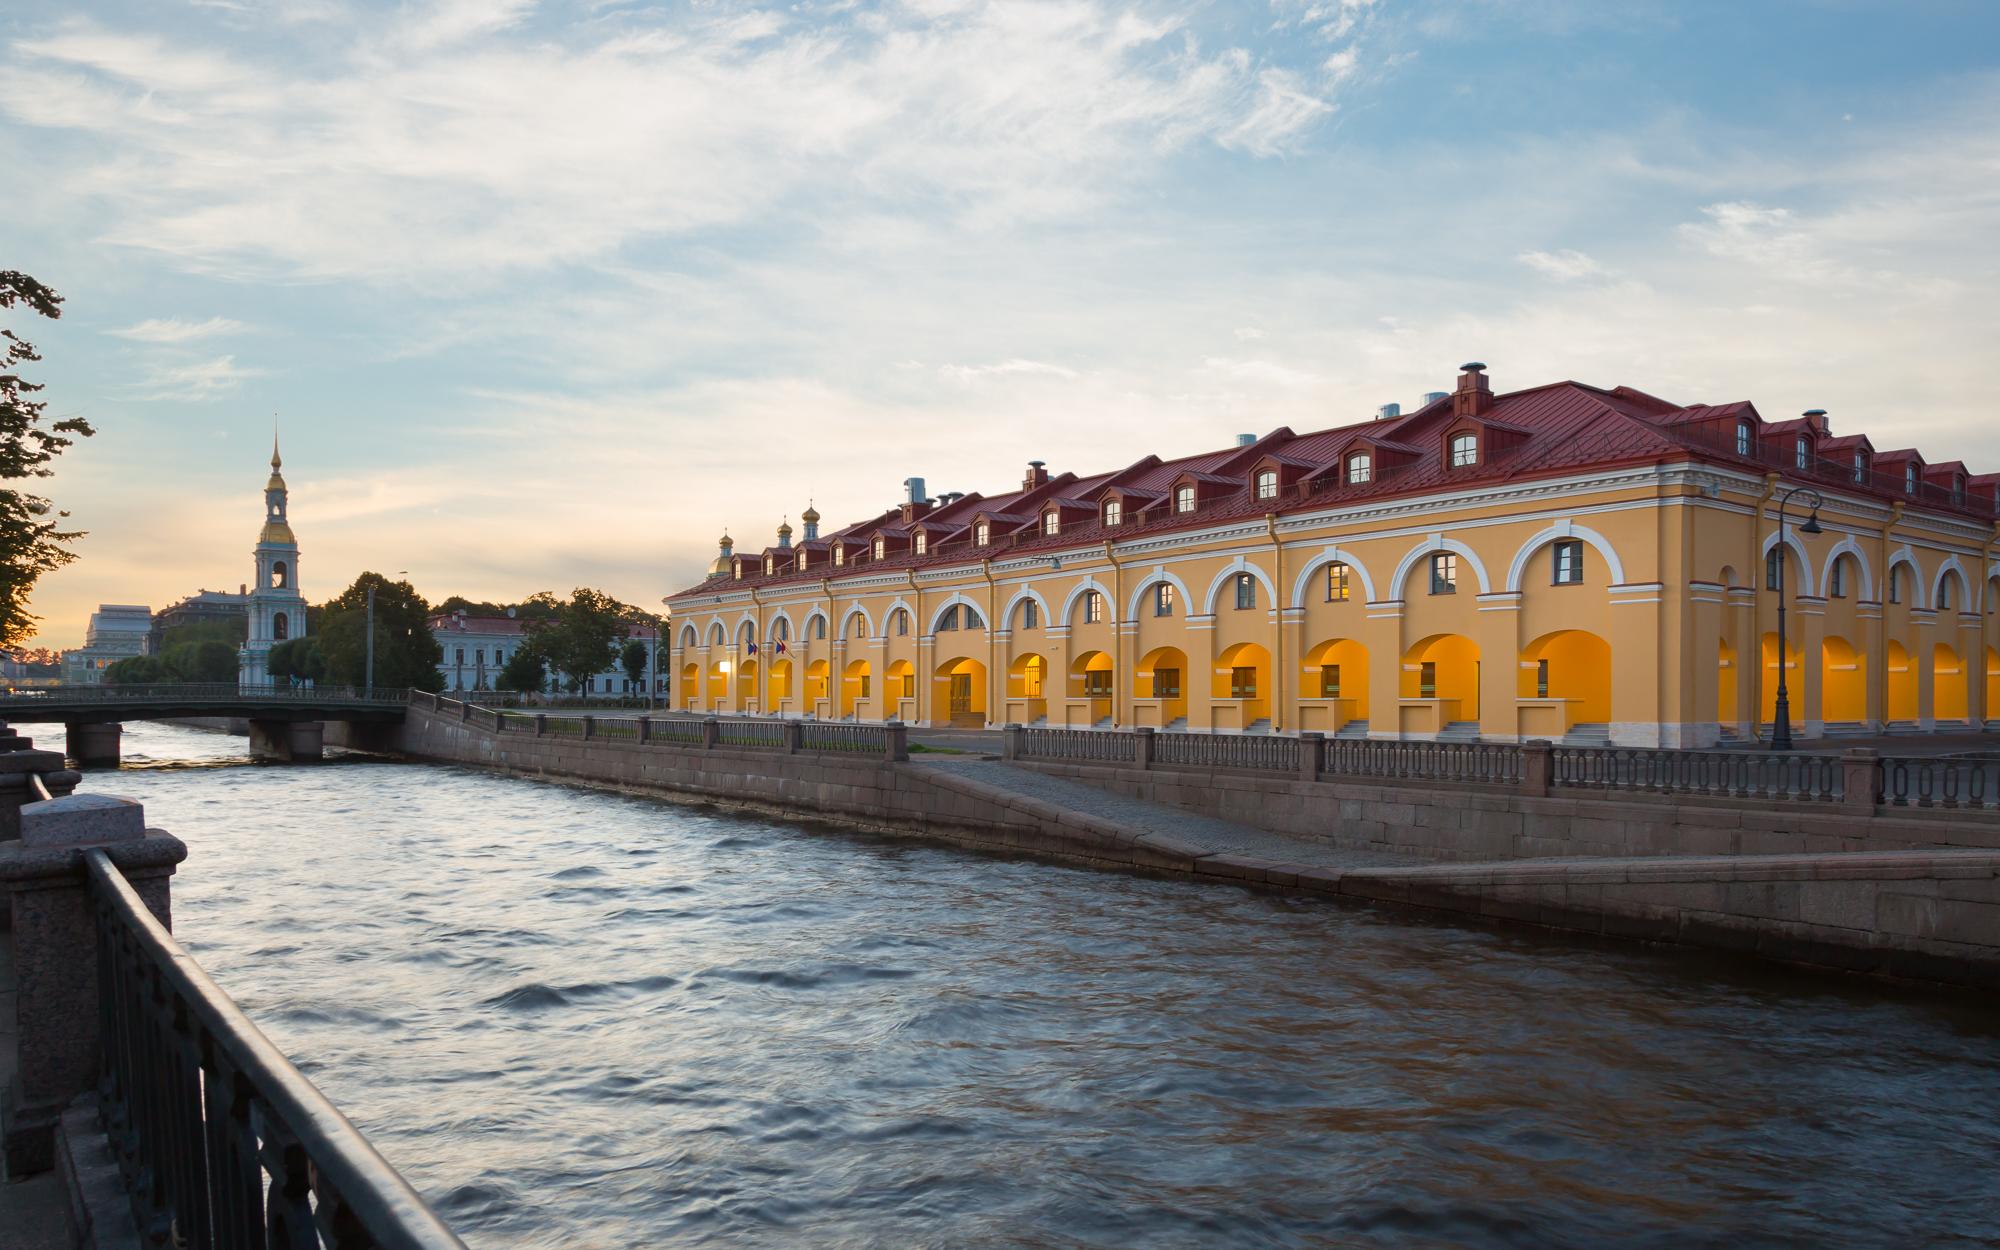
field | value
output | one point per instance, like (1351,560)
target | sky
(546,294)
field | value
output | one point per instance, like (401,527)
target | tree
(297,659)
(211,662)
(579,638)
(405,652)
(137,670)
(32,540)
(524,671)
(633,659)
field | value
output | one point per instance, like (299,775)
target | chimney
(1431,397)
(1474,396)
(1038,475)
(1388,410)
(1246,440)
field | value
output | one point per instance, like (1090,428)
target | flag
(781,648)
(753,648)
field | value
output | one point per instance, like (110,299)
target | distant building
(276,608)
(204,607)
(476,648)
(117,631)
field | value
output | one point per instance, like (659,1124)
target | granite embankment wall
(1906,896)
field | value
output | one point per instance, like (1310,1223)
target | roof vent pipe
(915,485)
(1245,440)
(1431,397)
(1388,410)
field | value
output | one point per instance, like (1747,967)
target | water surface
(575,1018)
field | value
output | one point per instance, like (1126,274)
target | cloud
(172,330)
(968,374)
(201,380)
(1564,266)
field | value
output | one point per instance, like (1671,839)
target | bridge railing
(793,737)
(221,1141)
(205,692)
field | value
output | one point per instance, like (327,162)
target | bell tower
(277,609)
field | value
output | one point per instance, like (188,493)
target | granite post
(93,746)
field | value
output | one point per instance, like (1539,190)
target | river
(578,1018)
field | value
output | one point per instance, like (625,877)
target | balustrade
(1729,774)
(1941,781)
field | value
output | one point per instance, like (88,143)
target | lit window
(1093,608)
(1267,484)
(1569,562)
(1802,453)
(1114,511)
(1031,614)
(1910,479)
(1329,681)
(982,533)
(1360,467)
(1444,573)
(923,542)
(737,567)
(1246,591)
(1742,438)
(770,565)
(1464,450)
(1336,583)
(802,561)
(881,545)
(839,554)
(1163,599)
(1184,499)
(1541,679)
(1052,522)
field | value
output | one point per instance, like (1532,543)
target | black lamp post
(1781,729)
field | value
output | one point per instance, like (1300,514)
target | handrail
(222,1141)
(212,691)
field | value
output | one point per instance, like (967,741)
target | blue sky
(548,294)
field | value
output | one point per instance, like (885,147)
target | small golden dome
(784,529)
(276,532)
(810,516)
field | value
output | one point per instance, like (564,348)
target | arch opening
(1091,676)
(1843,682)
(1159,688)
(815,695)
(690,686)
(1334,690)
(1440,683)
(1027,690)
(1949,687)
(1240,687)
(1899,684)
(1794,681)
(958,693)
(1726,686)
(1565,681)
(857,690)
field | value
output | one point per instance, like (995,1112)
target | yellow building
(1564,562)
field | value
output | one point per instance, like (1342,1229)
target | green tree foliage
(633,660)
(533,610)
(32,540)
(231,633)
(525,670)
(297,659)
(579,638)
(405,652)
(212,662)
(138,670)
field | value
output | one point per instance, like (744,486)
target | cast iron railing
(1941,781)
(1470,763)
(204,692)
(1078,744)
(1728,774)
(1262,752)
(222,1142)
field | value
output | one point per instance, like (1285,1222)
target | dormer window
(1744,433)
(737,565)
(1958,488)
(1052,522)
(1802,453)
(1114,512)
(923,542)
(1360,468)
(1910,479)
(1267,484)
(1184,499)
(802,561)
(1464,450)
(880,547)
(982,533)
(770,565)
(1860,466)
(839,555)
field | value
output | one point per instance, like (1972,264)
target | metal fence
(1468,763)
(178,693)
(1941,781)
(817,735)
(1728,774)
(222,1142)
(1078,744)
(768,734)
(1254,751)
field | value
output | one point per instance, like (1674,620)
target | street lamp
(1781,729)
(368,689)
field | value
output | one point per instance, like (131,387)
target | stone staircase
(1587,735)
(1176,725)
(1460,731)
(1352,729)
(1261,726)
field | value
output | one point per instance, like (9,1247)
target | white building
(476,648)
(277,609)
(116,631)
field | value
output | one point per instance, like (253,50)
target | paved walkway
(1222,837)
(34,1213)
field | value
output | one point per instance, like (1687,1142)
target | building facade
(204,607)
(277,611)
(476,648)
(116,631)
(1564,562)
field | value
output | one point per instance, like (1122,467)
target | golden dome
(784,529)
(276,532)
(810,516)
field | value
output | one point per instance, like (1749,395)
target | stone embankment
(1913,894)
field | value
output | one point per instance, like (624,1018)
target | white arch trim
(771,626)
(690,637)
(1613,566)
(743,622)
(1798,549)
(1903,555)
(956,600)
(1076,594)
(805,630)
(1950,566)
(1438,542)
(889,614)
(718,634)
(1154,578)
(1238,565)
(1332,555)
(1848,547)
(1020,596)
(867,621)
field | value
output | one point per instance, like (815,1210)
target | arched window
(747,635)
(1946,588)
(819,628)
(1743,435)
(1774,562)
(1360,467)
(1444,573)
(1093,608)
(1267,484)
(923,542)
(949,620)
(781,630)
(281,627)
(972,618)
(1246,591)
(1052,522)
(1031,614)
(278,575)
(1114,511)
(1568,560)
(1184,499)
(902,623)
(1464,450)
(1836,579)
(982,533)
(1163,599)
(716,637)
(1337,575)
(1896,584)
(689,638)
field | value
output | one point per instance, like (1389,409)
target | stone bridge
(284,723)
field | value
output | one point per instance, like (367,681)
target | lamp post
(368,680)
(1781,729)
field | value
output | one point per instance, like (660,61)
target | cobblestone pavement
(1207,832)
